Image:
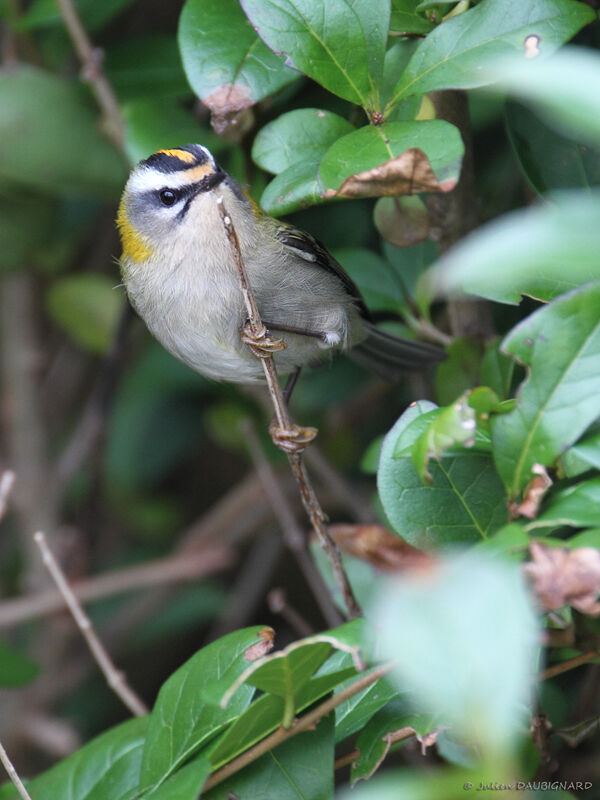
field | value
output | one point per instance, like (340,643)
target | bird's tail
(391,357)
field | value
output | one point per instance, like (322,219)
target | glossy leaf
(524,253)
(562,88)
(108,766)
(16,669)
(185,784)
(453,425)
(340,44)
(295,188)
(548,160)
(373,742)
(227,65)
(187,712)
(300,768)
(465,503)
(404,19)
(51,138)
(302,135)
(372,145)
(476,611)
(589,450)
(454,55)
(497,369)
(559,399)
(578,506)
(459,372)
(266,714)
(355,712)
(88,308)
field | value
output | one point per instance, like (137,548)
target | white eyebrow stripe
(148,180)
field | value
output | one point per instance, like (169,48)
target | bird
(180,275)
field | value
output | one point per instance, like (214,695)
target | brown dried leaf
(228,105)
(562,577)
(533,494)
(382,549)
(408,173)
(260,649)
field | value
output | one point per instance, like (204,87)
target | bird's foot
(291,440)
(260,340)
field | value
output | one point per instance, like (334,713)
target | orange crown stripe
(182,155)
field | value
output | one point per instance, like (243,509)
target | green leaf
(108,766)
(87,307)
(16,669)
(559,399)
(185,784)
(153,124)
(563,89)
(589,450)
(187,712)
(454,55)
(227,65)
(404,19)
(284,673)
(465,503)
(298,769)
(295,188)
(373,742)
(302,135)
(340,44)
(265,715)
(578,506)
(377,280)
(51,138)
(475,611)
(549,161)
(372,145)
(454,425)
(497,369)
(355,712)
(524,253)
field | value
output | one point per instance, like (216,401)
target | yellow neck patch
(135,246)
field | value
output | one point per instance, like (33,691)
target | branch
(292,534)
(309,499)
(12,774)
(299,725)
(565,666)
(91,60)
(114,678)
(177,568)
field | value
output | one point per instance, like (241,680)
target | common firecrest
(181,277)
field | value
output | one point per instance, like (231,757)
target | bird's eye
(168,197)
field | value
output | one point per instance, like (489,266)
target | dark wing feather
(313,251)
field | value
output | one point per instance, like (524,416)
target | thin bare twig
(299,725)
(6,483)
(565,666)
(114,678)
(91,60)
(278,604)
(12,774)
(160,572)
(309,499)
(292,533)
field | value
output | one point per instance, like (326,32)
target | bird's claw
(291,440)
(260,340)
